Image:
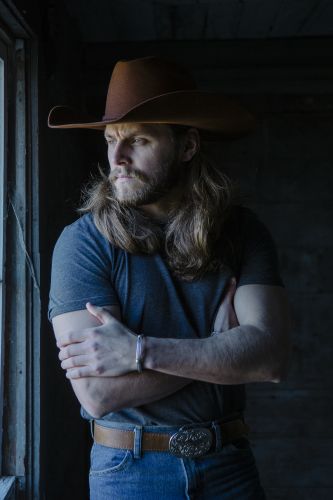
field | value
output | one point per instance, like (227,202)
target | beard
(146,189)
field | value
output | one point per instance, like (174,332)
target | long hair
(189,238)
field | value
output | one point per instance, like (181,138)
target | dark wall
(285,172)
(65,437)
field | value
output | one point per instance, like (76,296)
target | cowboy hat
(153,90)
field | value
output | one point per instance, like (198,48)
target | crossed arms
(98,351)
(100,395)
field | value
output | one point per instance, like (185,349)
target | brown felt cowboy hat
(152,90)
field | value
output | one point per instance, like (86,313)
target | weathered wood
(7,488)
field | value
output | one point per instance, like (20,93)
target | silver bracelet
(139,353)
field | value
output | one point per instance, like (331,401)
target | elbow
(274,374)
(102,411)
(281,372)
(99,414)
(93,410)
(97,406)
(276,377)
(97,411)
(94,414)
(94,398)
(278,370)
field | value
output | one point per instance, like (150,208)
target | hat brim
(210,112)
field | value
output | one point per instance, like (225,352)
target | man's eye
(138,140)
(109,141)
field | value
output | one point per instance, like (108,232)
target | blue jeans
(227,473)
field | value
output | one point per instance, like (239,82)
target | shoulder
(82,236)
(243,224)
(250,248)
(238,223)
(83,229)
(240,215)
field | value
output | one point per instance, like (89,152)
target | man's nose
(121,154)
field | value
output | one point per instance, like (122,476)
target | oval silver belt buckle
(191,443)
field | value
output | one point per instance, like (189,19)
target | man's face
(144,162)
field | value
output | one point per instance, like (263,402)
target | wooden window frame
(20,413)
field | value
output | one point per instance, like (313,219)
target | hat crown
(133,82)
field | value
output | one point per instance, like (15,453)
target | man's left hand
(107,350)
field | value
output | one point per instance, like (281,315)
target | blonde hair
(190,235)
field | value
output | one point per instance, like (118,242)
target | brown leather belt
(189,441)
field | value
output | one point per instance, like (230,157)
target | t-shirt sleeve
(258,262)
(81,270)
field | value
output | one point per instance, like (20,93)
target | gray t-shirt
(153,302)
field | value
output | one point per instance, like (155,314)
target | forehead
(128,129)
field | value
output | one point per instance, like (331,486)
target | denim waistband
(165,428)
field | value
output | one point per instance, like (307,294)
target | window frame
(3,196)
(20,451)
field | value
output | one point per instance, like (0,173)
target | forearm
(240,355)
(102,395)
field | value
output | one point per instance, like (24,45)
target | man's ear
(191,144)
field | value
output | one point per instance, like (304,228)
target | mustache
(137,174)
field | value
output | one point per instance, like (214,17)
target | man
(165,297)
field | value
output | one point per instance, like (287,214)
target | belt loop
(218,436)
(91,421)
(137,441)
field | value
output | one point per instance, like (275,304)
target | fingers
(75,361)
(226,317)
(99,312)
(73,350)
(71,338)
(230,290)
(82,371)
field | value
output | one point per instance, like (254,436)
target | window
(2,201)
(19,262)
(7,484)
(2,183)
